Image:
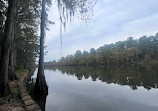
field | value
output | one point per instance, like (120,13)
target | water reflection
(146,76)
(100,89)
(40,99)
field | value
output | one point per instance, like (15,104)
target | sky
(113,20)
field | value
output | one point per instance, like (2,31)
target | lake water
(102,88)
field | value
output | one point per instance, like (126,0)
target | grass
(15,93)
(21,72)
(3,100)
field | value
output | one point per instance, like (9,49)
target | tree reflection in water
(146,76)
(140,76)
(40,99)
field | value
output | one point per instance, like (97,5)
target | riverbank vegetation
(19,40)
(20,43)
(130,51)
(13,101)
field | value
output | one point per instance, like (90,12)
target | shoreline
(23,102)
(29,103)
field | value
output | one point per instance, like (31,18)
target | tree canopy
(129,51)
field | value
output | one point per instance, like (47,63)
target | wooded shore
(20,100)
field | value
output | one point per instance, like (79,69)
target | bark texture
(1,32)
(6,45)
(40,85)
(11,72)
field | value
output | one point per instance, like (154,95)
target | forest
(23,27)
(128,52)
(26,40)
(19,38)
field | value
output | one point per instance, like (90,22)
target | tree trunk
(41,101)
(6,44)
(11,72)
(1,32)
(40,85)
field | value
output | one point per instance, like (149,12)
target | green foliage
(19,71)
(27,38)
(3,100)
(123,52)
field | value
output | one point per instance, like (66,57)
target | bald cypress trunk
(6,45)
(11,72)
(40,85)
(1,32)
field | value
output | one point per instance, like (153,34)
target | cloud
(113,20)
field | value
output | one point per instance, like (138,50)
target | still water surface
(102,89)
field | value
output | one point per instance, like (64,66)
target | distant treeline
(130,51)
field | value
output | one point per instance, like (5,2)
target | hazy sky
(113,20)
